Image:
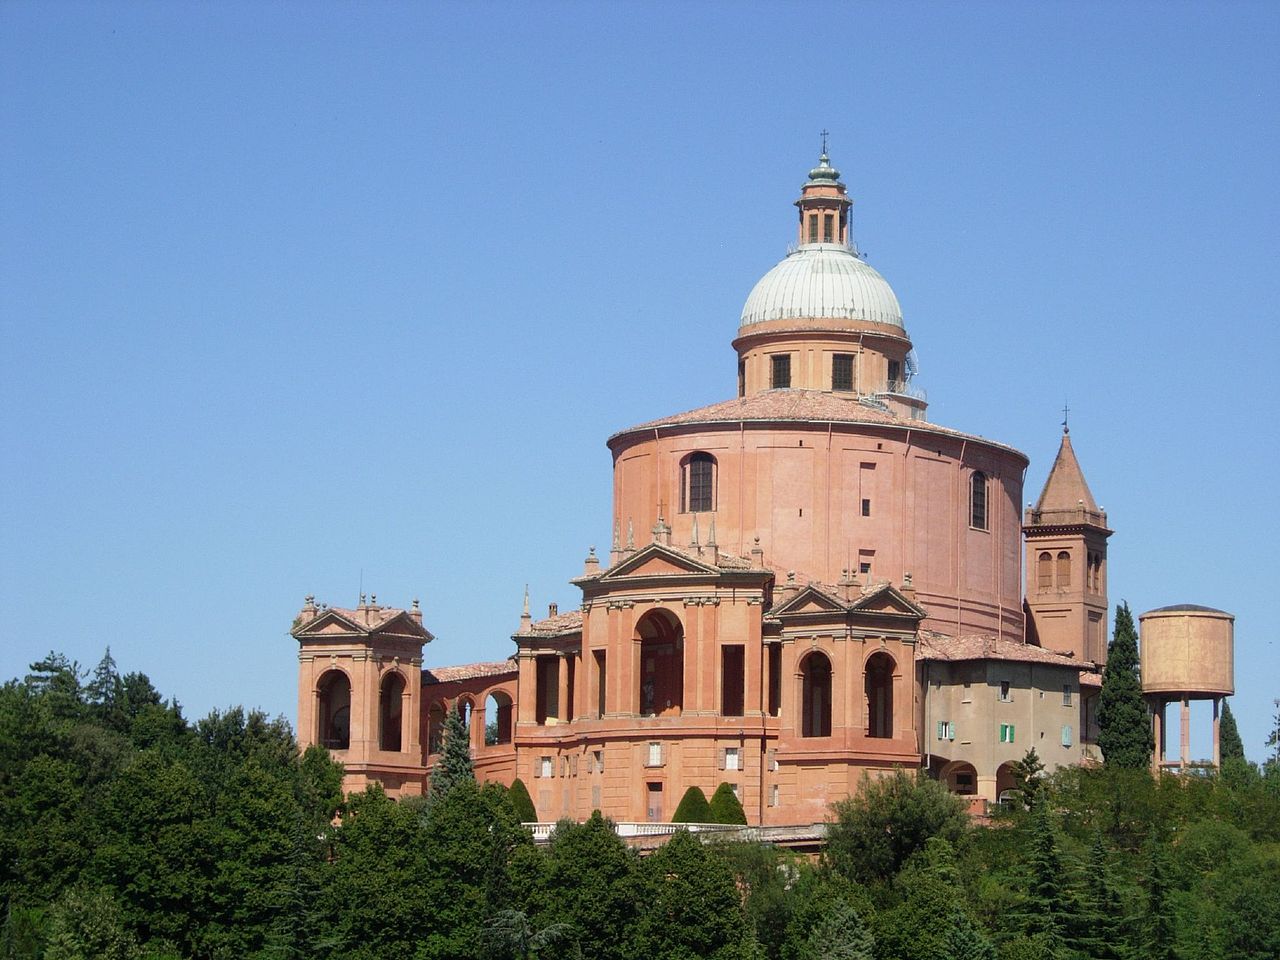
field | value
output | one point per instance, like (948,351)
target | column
(1157,727)
(1185,744)
(527,688)
(1217,746)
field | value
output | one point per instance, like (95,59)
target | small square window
(1006,694)
(864,567)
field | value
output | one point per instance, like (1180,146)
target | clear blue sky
(293,295)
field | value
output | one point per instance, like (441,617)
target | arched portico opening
(1005,783)
(497,718)
(391,712)
(333,695)
(879,693)
(960,777)
(435,728)
(661,685)
(815,695)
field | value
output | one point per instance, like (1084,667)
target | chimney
(553,609)
(591,566)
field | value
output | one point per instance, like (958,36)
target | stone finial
(711,535)
(693,539)
(415,611)
(526,620)
(617,534)
(908,588)
(591,566)
(757,555)
(631,536)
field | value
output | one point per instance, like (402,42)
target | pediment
(810,600)
(889,600)
(331,623)
(658,561)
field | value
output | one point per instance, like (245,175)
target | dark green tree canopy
(693,808)
(1124,726)
(521,802)
(1230,746)
(454,765)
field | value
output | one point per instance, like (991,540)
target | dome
(822,281)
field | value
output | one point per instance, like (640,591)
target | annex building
(809,583)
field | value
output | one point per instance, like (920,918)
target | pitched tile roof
(556,626)
(469,671)
(939,646)
(1065,489)
(802,406)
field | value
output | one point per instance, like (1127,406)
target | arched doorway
(879,692)
(497,718)
(1005,784)
(334,710)
(661,683)
(391,712)
(815,695)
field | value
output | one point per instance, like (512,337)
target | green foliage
(521,802)
(1157,931)
(725,807)
(454,766)
(87,925)
(1230,746)
(693,808)
(1124,727)
(839,935)
(1027,774)
(1273,740)
(876,831)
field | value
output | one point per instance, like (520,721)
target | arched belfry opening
(497,718)
(661,682)
(333,694)
(815,695)
(879,691)
(391,712)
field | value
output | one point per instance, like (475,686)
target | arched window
(815,695)
(1064,569)
(391,712)
(334,713)
(978,500)
(1044,571)
(879,690)
(497,719)
(661,684)
(698,483)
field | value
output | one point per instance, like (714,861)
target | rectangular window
(842,372)
(595,797)
(828,227)
(813,228)
(548,692)
(1066,694)
(895,375)
(775,679)
(742,378)
(946,730)
(780,368)
(965,696)
(865,559)
(655,755)
(655,802)
(1066,735)
(1006,733)
(599,755)
(601,686)
(773,761)
(564,766)
(773,795)
(732,760)
(732,679)
(545,767)
(866,507)
(1006,693)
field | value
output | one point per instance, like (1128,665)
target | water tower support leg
(1217,746)
(1157,723)
(1185,745)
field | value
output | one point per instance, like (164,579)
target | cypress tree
(521,802)
(1157,931)
(1124,726)
(454,764)
(725,807)
(693,808)
(1230,746)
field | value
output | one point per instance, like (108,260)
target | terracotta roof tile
(802,406)
(1088,679)
(939,646)
(469,671)
(556,626)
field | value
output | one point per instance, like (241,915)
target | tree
(509,934)
(521,802)
(1273,739)
(839,935)
(1156,927)
(693,808)
(87,925)
(1027,774)
(1098,932)
(725,807)
(1049,905)
(877,830)
(1124,726)
(454,765)
(1230,746)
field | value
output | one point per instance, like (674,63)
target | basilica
(809,583)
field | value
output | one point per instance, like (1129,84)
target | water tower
(1187,654)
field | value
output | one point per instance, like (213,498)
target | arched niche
(391,712)
(661,682)
(815,695)
(497,718)
(333,713)
(878,686)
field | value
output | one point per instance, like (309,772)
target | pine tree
(1230,746)
(1026,777)
(1099,931)
(693,808)
(1273,739)
(454,764)
(839,935)
(1157,929)
(1124,726)
(725,807)
(1050,906)
(521,802)
(105,692)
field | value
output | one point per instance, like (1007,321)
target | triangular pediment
(329,623)
(656,560)
(889,599)
(333,623)
(810,600)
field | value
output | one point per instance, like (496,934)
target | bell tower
(360,691)
(1066,563)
